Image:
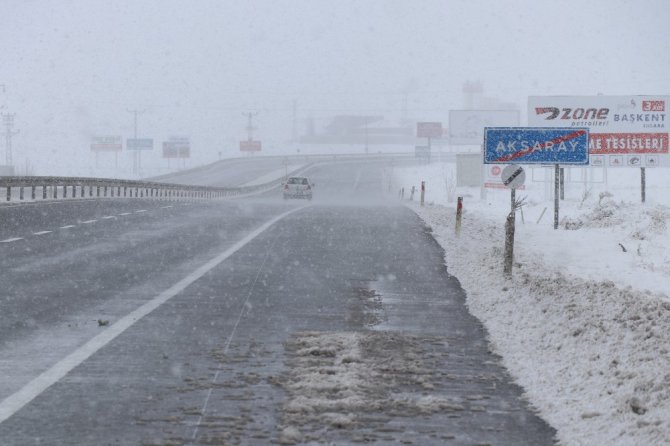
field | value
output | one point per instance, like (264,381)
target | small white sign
(513,176)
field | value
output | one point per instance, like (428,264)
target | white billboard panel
(466,127)
(106,144)
(625,131)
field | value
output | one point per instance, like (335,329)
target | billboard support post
(429,149)
(509,243)
(562,179)
(557,169)
(643,183)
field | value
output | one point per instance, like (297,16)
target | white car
(298,187)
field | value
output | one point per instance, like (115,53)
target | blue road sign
(139,144)
(536,145)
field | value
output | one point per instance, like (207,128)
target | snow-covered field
(583,324)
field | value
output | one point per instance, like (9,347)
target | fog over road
(248,321)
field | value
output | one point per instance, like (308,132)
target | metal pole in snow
(643,181)
(423,192)
(556,194)
(459,215)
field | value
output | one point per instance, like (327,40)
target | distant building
(357,129)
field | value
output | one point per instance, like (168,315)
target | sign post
(557,186)
(513,176)
(429,130)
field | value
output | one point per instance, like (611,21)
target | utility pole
(137,160)
(294,134)
(250,126)
(8,121)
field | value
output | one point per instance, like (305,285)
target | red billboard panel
(250,146)
(622,143)
(429,129)
(653,106)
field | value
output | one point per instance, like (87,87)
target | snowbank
(584,323)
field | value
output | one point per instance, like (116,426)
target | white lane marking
(67,227)
(358,179)
(42,232)
(166,207)
(125,213)
(107,217)
(230,338)
(88,222)
(13,403)
(141,210)
(9,240)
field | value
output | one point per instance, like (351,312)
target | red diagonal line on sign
(544,145)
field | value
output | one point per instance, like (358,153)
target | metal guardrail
(55,188)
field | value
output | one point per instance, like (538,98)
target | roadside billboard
(429,130)
(106,144)
(625,131)
(250,146)
(139,144)
(177,147)
(466,127)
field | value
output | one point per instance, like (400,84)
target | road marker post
(459,215)
(423,192)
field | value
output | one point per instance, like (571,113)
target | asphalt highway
(248,321)
(227,173)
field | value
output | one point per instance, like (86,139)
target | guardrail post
(97,191)
(125,191)
(55,192)
(44,192)
(21,193)
(137,191)
(65,191)
(9,193)
(105,192)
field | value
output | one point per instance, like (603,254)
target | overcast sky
(72,69)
